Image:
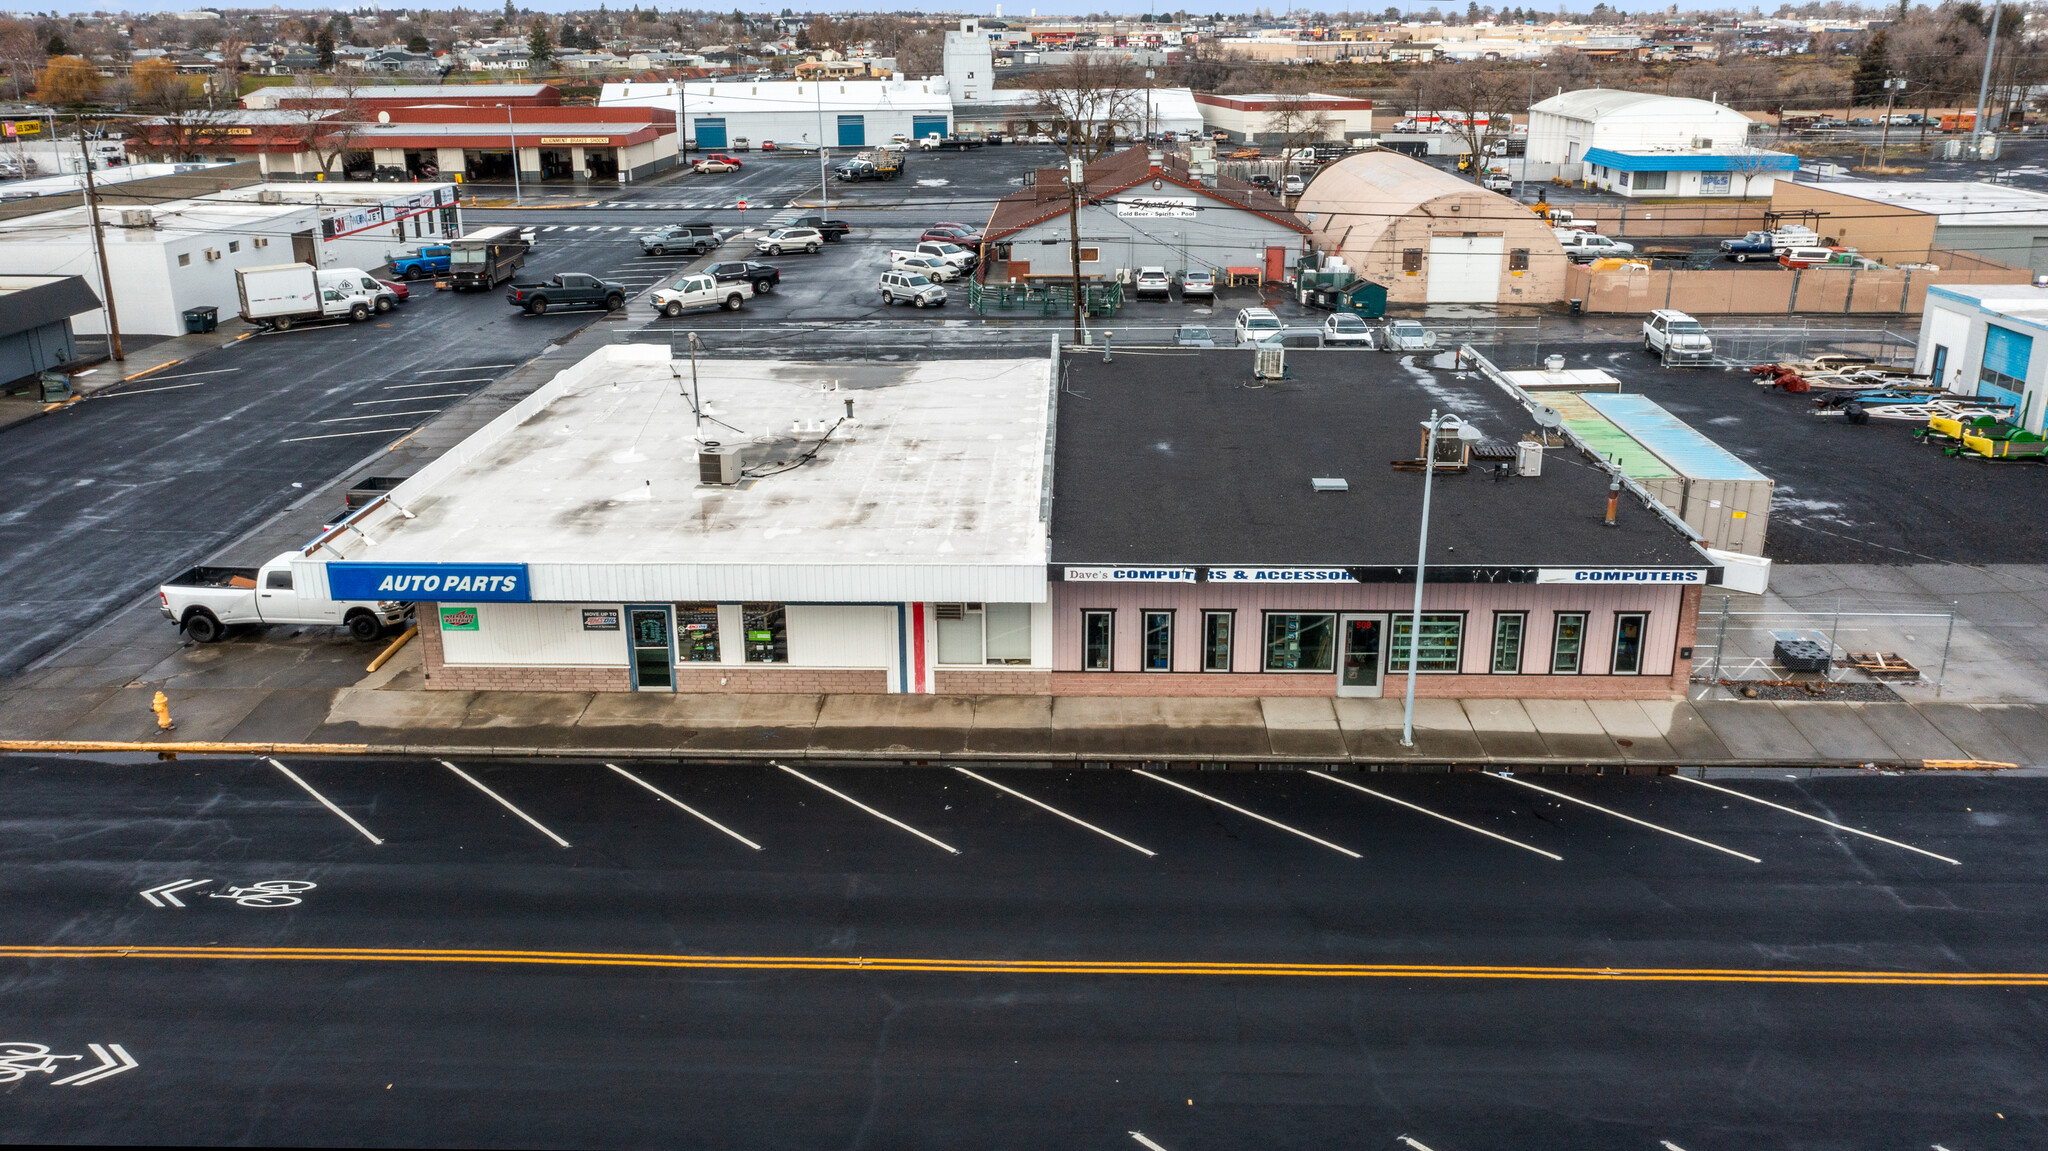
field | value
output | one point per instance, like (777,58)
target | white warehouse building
(1565,127)
(840,113)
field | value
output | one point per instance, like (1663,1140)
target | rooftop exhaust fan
(1269,362)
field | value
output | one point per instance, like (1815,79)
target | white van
(352,281)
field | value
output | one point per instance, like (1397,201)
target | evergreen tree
(1866,86)
(323,44)
(56,47)
(540,50)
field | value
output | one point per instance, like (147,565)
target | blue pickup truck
(1767,245)
(430,261)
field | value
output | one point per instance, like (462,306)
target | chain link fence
(1899,649)
(1764,345)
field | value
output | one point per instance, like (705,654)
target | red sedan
(398,289)
(953,234)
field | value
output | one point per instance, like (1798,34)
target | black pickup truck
(568,290)
(764,277)
(833,230)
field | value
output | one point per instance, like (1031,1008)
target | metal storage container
(1723,498)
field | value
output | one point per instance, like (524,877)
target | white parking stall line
(1148,1144)
(684,806)
(189,375)
(869,810)
(413,399)
(1253,814)
(1668,1145)
(551,228)
(1056,811)
(506,803)
(1502,775)
(1432,814)
(1816,819)
(344,435)
(471,368)
(381,416)
(438,384)
(324,801)
(1412,1142)
(146,391)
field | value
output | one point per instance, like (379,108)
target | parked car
(790,239)
(700,291)
(767,145)
(397,289)
(1766,245)
(568,290)
(1293,186)
(1253,323)
(1407,336)
(832,230)
(1808,256)
(1585,247)
(1194,336)
(431,260)
(1198,284)
(717,164)
(904,284)
(1863,122)
(1263,181)
(1676,338)
(695,239)
(1347,330)
(742,144)
(1153,282)
(763,278)
(954,254)
(953,234)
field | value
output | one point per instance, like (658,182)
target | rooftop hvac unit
(212,254)
(1269,362)
(138,218)
(718,464)
(1528,458)
(269,196)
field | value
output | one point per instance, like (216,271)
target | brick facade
(1224,685)
(956,681)
(773,680)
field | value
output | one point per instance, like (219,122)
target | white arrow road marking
(160,895)
(1146,1143)
(505,803)
(324,801)
(1502,775)
(110,1065)
(1815,818)
(1242,811)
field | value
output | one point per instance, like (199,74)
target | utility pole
(1075,166)
(1984,85)
(824,186)
(1148,105)
(99,240)
(512,137)
(1892,89)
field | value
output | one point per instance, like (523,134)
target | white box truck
(276,296)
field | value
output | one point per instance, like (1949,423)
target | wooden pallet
(1881,665)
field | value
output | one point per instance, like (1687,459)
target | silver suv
(1676,338)
(790,239)
(902,284)
(1255,324)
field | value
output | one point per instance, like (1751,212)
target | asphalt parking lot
(564,954)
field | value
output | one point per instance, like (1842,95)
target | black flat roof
(1177,457)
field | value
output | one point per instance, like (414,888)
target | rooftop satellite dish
(1547,417)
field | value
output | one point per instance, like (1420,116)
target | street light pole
(1983,85)
(99,239)
(512,137)
(1892,89)
(824,191)
(1465,431)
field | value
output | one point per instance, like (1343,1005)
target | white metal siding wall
(833,635)
(1465,269)
(533,635)
(1220,238)
(1945,326)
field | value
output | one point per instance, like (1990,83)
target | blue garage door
(922,126)
(2004,374)
(853,131)
(710,133)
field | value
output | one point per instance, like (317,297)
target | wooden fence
(1758,292)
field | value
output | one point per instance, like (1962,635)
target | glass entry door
(653,657)
(1364,656)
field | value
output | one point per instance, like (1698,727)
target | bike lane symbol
(19,1060)
(265,894)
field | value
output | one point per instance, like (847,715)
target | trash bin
(199,320)
(56,386)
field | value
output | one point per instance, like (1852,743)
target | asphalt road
(802,1047)
(112,495)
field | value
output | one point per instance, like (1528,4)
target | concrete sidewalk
(273,702)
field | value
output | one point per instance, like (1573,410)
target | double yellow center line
(1038,967)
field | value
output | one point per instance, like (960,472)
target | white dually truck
(206,601)
(276,296)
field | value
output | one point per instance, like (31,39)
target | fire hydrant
(161,705)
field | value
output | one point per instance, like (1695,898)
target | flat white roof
(739,97)
(1956,202)
(933,492)
(175,221)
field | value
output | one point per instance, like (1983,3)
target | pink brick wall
(950,681)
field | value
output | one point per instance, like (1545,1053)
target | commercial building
(35,322)
(1989,341)
(1216,534)
(840,113)
(736,526)
(364,225)
(374,98)
(1740,172)
(1430,236)
(1139,209)
(1564,128)
(1269,119)
(1900,222)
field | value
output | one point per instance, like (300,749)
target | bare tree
(1083,104)
(1298,121)
(326,128)
(1483,98)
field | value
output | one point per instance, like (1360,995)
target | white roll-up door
(1465,269)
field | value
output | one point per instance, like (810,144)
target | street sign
(15,128)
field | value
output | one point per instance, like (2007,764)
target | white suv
(912,287)
(1154,282)
(785,239)
(1254,324)
(1677,338)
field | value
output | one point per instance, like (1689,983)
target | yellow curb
(194,747)
(149,371)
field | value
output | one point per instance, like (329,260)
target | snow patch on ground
(933,183)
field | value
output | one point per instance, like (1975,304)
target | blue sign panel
(457,583)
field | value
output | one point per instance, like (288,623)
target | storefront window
(1628,642)
(1009,632)
(1507,642)
(697,632)
(767,632)
(1442,638)
(959,632)
(1301,641)
(1568,643)
(1158,641)
(998,633)
(1216,636)
(1097,628)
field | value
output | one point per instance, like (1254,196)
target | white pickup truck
(701,291)
(206,601)
(905,260)
(1583,247)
